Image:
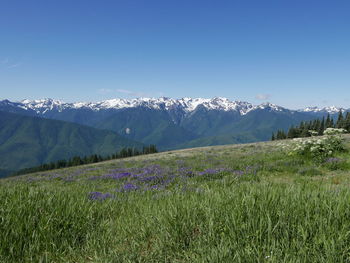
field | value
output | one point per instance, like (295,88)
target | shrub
(319,149)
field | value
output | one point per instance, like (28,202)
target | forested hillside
(29,141)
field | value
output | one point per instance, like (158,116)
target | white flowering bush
(334,131)
(319,148)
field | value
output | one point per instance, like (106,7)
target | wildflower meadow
(263,202)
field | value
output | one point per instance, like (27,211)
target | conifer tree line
(77,160)
(319,126)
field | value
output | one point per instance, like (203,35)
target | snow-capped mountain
(171,123)
(330,109)
(187,105)
(183,106)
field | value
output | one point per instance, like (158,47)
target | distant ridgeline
(304,128)
(75,161)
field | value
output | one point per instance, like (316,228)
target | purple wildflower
(98,196)
(185,171)
(155,187)
(130,187)
(115,176)
(211,171)
(151,178)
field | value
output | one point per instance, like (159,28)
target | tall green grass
(246,222)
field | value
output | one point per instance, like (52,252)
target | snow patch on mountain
(186,105)
(330,110)
(43,105)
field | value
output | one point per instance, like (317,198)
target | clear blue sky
(294,53)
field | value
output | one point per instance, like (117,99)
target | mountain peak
(329,109)
(186,105)
(42,105)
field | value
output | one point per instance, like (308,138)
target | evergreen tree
(60,164)
(94,158)
(322,127)
(153,148)
(145,150)
(136,151)
(76,160)
(340,119)
(123,153)
(329,123)
(281,135)
(292,132)
(347,122)
(317,125)
(305,130)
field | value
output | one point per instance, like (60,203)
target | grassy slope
(266,205)
(29,141)
(218,140)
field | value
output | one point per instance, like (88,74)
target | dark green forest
(317,125)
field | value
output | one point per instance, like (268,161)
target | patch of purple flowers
(152,177)
(185,171)
(212,171)
(98,196)
(152,170)
(115,176)
(250,169)
(130,187)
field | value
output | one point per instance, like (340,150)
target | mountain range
(43,106)
(168,123)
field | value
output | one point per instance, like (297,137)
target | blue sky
(294,53)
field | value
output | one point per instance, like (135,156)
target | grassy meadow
(236,203)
